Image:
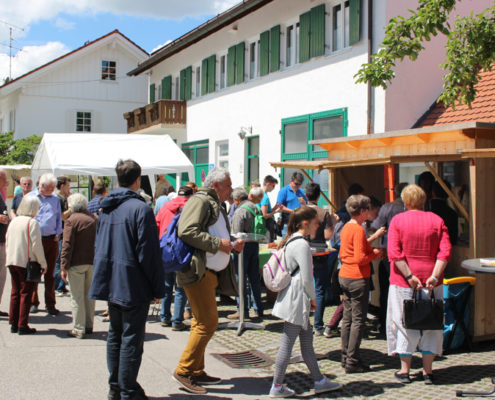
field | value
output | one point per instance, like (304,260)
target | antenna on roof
(11,39)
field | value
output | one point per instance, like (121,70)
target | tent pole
(323,194)
(447,190)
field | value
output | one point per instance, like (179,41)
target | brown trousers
(50,246)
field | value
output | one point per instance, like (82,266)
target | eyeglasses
(297,183)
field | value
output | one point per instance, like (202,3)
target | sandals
(402,378)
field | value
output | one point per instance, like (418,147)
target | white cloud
(30,58)
(63,24)
(160,46)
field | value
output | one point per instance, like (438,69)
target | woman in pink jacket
(418,249)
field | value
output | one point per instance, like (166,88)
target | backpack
(176,255)
(259,220)
(275,273)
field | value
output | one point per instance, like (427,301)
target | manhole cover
(245,359)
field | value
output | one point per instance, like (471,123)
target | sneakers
(189,383)
(326,385)
(319,332)
(234,316)
(281,391)
(179,327)
(166,323)
(205,379)
(330,333)
(33,309)
(76,334)
(52,310)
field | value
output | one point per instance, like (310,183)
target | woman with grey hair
(23,243)
(77,263)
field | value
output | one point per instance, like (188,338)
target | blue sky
(54,27)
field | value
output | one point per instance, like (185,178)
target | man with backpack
(163,219)
(248,218)
(203,225)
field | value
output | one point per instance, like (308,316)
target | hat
(185,191)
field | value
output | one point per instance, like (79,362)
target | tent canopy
(98,153)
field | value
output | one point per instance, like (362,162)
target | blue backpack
(176,255)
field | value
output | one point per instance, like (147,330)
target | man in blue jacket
(128,273)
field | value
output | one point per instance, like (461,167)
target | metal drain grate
(245,359)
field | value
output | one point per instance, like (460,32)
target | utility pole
(11,39)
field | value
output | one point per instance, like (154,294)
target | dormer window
(108,70)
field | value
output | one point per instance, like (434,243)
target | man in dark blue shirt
(99,192)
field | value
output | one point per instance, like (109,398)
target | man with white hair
(4,220)
(243,221)
(50,219)
(203,225)
(26,185)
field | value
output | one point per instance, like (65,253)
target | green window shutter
(152,93)
(167,88)
(264,53)
(231,66)
(275,48)
(212,64)
(239,63)
(188,92)
(182,85)
(204,76)
(304,30)
(317,35)
(354,21)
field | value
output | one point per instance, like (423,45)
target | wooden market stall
(468,149)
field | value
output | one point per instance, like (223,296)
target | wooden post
(389,182)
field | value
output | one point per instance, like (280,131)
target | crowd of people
(109,249)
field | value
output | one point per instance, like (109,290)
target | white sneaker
(326,385)
(281,391)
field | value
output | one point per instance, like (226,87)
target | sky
(46,29)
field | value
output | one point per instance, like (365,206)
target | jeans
(59,282)
(321,273)
(179,301)
(125,347)
(251,273)
(203,302)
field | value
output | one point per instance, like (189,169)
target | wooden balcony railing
(161,112)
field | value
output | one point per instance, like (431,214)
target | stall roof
(97,154)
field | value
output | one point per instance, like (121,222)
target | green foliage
(470,48)
(20,151)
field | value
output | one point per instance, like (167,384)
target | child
(295,302)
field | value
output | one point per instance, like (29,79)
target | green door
(197,152)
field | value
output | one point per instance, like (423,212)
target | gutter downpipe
(370,91)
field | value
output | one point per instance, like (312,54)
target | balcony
(158,117)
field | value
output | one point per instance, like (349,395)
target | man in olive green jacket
(204,225)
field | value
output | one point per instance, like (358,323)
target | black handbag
(33,268)
(423,314)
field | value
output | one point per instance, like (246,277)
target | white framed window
(222,154)
(83,121)
(108,70)
(198,82)
(292,44)
(253,53)
(177,88)
(223,71)
(340,25)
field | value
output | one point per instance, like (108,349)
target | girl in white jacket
(295,302)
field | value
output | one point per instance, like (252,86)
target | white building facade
(86,90)
(264,78)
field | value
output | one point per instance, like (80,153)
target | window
(12,121)
(83,121)
(289,47)
(252,60)
(253,159)
(337,28)
(177,88)
(223,71)
(346,24)
(108,70)
(222,159)
(197,92)
(298,131)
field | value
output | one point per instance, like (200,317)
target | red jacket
(167,212)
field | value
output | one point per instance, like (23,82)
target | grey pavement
(51,365)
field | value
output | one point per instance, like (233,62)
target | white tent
(98,153)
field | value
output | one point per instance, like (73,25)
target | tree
(470,48)
(19,151)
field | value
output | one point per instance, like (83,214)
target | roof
(482,108)
(86,45)
(211,26)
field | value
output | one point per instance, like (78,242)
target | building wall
(48,100)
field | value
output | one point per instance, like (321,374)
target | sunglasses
(297,183)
